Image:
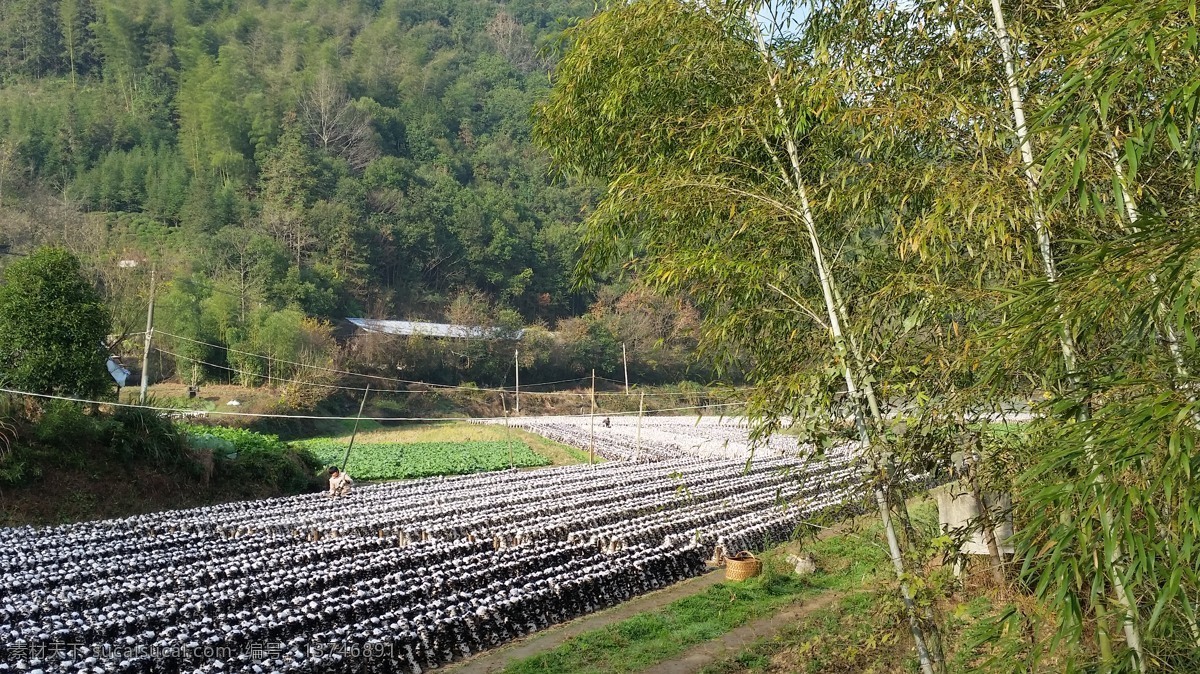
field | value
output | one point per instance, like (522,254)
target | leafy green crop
(241,439)
(390,461)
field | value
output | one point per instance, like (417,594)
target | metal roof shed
(445,330)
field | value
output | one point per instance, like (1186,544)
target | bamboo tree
(1143,479)
(930,658)
(957,50)
(1168,336)
(1070,355)
(1132,68)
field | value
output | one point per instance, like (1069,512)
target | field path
(742,637)
(496,659)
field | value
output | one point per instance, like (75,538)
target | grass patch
(984,629)
(867,631)
(859,633)
(344,427)
(648,638)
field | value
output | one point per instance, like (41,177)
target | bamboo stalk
(927,659)
(1166,332)
(1123,600)
(592,424)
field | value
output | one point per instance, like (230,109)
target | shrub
(241,439)
(52,325)
(258,458)
(290,471)
(140,434)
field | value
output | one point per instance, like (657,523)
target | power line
(180,410)
(300,382)
(269,377)
(476,389)
(546,383)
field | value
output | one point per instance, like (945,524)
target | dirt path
(497,659)
(742,637)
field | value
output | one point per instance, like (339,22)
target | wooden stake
(354,433)
(641,409)
(625,362)
(517,362)
(507,430)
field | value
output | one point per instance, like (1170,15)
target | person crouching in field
(339,482)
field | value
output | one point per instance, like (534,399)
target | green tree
(30,41)
(288,182)
(52,327)
(79,42)
(1062,172)
(406,174)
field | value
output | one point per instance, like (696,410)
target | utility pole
(146,341)
(507,429)
(625,361)
(592,444)
(517,362)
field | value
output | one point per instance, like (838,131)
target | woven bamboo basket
(741,566)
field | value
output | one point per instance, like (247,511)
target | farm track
(742,637)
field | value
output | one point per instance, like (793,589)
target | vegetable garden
(390,461)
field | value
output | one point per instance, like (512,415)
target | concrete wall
(957,509)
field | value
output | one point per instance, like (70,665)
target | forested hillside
(326,158)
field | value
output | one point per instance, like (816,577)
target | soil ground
(107,488)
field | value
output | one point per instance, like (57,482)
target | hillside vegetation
(337,158)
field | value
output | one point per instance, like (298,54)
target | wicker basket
(741,566)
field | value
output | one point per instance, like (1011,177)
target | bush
(258,458)
(211,443)
(63,424)
(290,471)
(242,439)
(140,434)
(52,326)
(62,434)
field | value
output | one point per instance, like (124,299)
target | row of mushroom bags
(395,577)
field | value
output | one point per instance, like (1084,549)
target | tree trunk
(987,523)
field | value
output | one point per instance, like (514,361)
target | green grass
(858,633)
(454,432)
(866,631)
(648,638)
(340,427)
(391,461)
